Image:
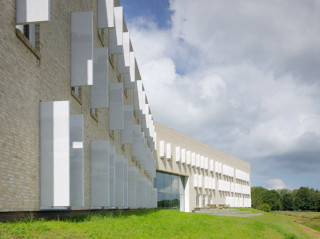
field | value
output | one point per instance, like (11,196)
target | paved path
(229,212)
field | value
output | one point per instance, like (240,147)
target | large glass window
(170,190)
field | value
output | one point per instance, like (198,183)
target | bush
(265,207)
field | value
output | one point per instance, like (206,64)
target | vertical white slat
(161,151)
(112,174)
(100,176)
(116,116)
(119,181)
(100,87)
(177,154)
(76,161)
(105,13)
(54,154)
(198,160)
(81,48)
(127,132)
(188,157)
(125,183)
(183,155)
(193,159)
(32,11)
(169,154)
(132,187)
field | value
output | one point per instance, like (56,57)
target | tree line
(302,199)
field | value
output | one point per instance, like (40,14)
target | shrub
(265,207)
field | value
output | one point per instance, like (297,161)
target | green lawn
(156,224)
(309,219)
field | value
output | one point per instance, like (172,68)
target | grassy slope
(309,219)
(156,224)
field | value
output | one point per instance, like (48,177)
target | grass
(309,219)
(155,224)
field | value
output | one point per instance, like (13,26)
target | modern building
(76,129)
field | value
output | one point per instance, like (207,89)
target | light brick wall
(24,82)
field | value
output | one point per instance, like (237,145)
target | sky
(241,76)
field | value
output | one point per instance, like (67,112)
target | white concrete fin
(100,176)
(105,13)
(116,115)
(76,161)
(32,11)
(81,48)
(127,132)
(54,154)
(100,87)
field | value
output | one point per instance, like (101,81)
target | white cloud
(239,75)
(276,184)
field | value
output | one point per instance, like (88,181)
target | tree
(272,197)
(301,201)
(257,196)
(287,201)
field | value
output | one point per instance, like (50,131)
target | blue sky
(242,76)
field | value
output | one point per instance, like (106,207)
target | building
(76,129)
(192,174)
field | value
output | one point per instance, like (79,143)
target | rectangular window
(76,92)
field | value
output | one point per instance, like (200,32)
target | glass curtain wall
(170,191)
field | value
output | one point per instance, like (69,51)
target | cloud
(242,76)
(276,184)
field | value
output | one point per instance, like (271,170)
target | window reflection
(170,195)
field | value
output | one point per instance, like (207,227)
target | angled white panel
(202,162)
(119,181)
(183,155)
(122,68)
(200,181)
(177,154)
(127,132)
(211,165)
(195,180)
(169,155)
(99,89)
(193,159)
(198,160)
(112,175)
(105,13)
(100,176)
(188,157)
(206,163)
(161,150)
(81,48)
(76,161)
(54,154)
(125,182)
(118,18)
(113,46)
(32,11)
(127,83)
(132,67)
(116,119)
(132,187)
(126,48)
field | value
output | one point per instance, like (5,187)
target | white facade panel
(202,162)
(118,19)
(105,13)
(193,159)
(177,154)
(121,66)
(116,115)
(54,154)
(100,177)
(127,132)
(183,156)
(125,182)
(81,48)
(211,165)
(119,181)
(100,87)
(132,187)
(161,149)
(195,180)
(169,155)
(188,157)
(76,161)
(32,11)
(198,160)
(206,163)
(112,175)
